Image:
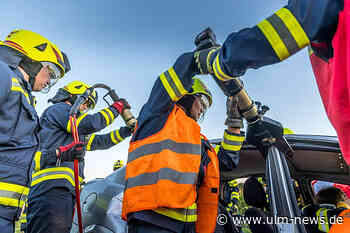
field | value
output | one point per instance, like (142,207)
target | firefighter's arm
(106,141)
(91,123)
(229,150)
(275,38)
(172,84)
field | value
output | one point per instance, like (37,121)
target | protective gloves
(204,59)
(125,131)
(234,118)
(121,105)
(72,151)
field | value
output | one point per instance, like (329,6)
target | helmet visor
(54,74)
(205,105)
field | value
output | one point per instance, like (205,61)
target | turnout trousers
(51,212)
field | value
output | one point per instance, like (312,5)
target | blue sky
(127,44)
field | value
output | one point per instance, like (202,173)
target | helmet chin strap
(32,68)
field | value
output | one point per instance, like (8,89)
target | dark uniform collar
(12,59)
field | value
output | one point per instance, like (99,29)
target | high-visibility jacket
(56,131)
(333,80)
(183,137)
(167,163)
(344,226)
(19,140)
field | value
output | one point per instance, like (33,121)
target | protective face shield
(54,75)
(205,105)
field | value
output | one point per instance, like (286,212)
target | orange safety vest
(344,226)
(208,196)
(162,172)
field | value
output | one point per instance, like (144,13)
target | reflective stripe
(13,194)
(217,148)
(91,139)
(16,86)
(69,127)
(110,113)
(284,33)
(172,84)
(162,174)
(37,158)
(185,215)
(54,173)
(232,142)
(105,116)
(118,136)
(218,71)
(294,27)
(209,67)
(322,214)
(155,148)
(114,140)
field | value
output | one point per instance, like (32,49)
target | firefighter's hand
(120,105)
(72,151)
(126,131)
(204,59)
(234,118)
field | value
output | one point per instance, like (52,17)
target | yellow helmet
(198,87)
(79,88)
(37,48)
(118,164)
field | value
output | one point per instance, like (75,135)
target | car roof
(315,157)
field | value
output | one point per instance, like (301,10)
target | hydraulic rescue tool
(127,116)
(263,131)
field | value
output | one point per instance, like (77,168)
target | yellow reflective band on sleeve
(233,137)
(115,141)
(110,113)
(172,84)
(294,27)
(284,33)
(91,139)
(232,142)
(118,136)
(37,158)
(104,114)
(274,39)
(167,87)
(16,86)
(218,71)
(177,81)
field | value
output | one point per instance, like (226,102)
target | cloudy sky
(127,44)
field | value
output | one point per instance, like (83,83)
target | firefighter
(329,204)
(323,24)
(172,173)
(51,197)
(28,63)
(118,164)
